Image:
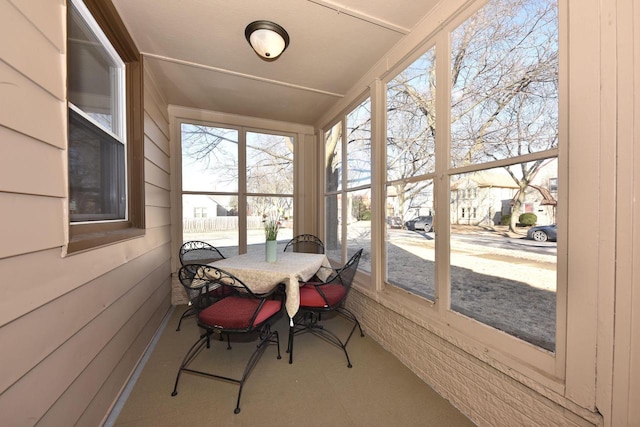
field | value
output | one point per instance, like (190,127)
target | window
(496,157)
(348,189)
(199,212)
(491,132)
(410,154)
(228,185)
(105,124)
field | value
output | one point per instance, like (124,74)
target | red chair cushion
(310,297)
(221,291)
(236,312)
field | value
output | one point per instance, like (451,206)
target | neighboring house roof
(547,198)
(484,179)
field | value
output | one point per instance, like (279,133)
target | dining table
(289,268)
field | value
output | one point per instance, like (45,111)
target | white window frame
(511,355)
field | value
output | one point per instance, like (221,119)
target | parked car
(420,223)
(542,233)
(394,221)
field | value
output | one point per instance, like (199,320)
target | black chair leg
(267,336)
(193,351)
(187,313)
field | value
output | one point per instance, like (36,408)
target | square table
(290,268)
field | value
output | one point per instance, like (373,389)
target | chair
(201,293)
(321,297)
(197,252)
(307,243)
(241,312)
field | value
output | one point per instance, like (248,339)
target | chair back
(306,243)
(195,284)
(197,252)
(345,274)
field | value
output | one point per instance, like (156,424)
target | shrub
(505,219)
(527,219)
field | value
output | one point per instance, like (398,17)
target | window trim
(88,236)
(508,354)
(241,193)
(343,189)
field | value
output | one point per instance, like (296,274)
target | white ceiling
(199,57)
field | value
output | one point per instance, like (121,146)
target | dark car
(420,223)
(542,233)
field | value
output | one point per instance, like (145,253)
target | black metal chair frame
(307,319)
(266,336)
(303,241)
(213,253)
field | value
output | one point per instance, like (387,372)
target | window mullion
(242,190)
(344,193)
(441,181)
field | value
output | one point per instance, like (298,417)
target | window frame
(343,189)
(86,236)
(509,354)
(241,192)
(508,349)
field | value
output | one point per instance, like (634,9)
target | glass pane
(411,120)
(257,208)
(269,163)
(96,172)
(504,270)
(409,238)
(212,219)
(95,74)
(359,146)
(209,159)
(333,219)
(504,73)
(359,226)
(333,157)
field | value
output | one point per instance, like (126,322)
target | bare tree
(269,157)
(504,88)
(411,130)
(208,148)
(333,170)
(270,164)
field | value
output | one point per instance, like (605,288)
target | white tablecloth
(290,268)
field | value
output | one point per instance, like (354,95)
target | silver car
(420,223)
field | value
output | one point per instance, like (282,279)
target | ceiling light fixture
(267,38)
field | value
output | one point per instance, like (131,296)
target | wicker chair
(241,312)
(322,297)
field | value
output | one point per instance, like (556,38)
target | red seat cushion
(310,297)
(221,291)
(236,312)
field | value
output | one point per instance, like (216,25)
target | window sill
(86,241)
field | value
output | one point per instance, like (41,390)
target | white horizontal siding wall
(80,323)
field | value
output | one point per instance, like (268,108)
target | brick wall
(178,294)
(486,395)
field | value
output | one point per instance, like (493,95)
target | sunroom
(157,123)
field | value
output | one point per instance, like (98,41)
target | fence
(220,223)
